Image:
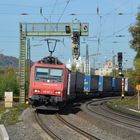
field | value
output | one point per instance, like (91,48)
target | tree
(9,82)
(137,70)
(135,32)
(135,44)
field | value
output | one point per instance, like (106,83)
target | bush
(9,82)
(137,69)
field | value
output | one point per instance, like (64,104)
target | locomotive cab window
(54,75)
(41,73)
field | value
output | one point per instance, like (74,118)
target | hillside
(5,61)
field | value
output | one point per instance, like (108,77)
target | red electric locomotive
(49,87)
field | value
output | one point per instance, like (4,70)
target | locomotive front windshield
(54,75)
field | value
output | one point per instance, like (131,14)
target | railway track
(83,135)
(100,109)
(87,135)
(45,127)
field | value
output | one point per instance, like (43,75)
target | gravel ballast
(26,128)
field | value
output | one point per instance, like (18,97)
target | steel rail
(88,106)
(82,132)
(115,112)
(45,128)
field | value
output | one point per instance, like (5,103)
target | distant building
(79,64)
(68,64)
(106,70)
(86,67)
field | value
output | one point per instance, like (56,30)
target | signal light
(75,50)
(120,65)
(120,62)
(67,29)
(119,56)
(75,37)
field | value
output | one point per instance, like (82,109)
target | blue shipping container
(100,83)
(113,83)
(87,83)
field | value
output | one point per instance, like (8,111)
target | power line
(63,11)
(4,13)
(116,32)
(121,5)
(9,37)
(78,14)
(53,9)
(31,6)
(110,12)
(41,13)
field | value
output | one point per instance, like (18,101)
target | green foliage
(131,74)
(135,32)
(11,115)
(9,82)
(137,71)
(135,44)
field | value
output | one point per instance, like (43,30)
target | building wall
(106,70)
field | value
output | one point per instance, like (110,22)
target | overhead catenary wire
(84,15)
(41,13)
(68,1)
(110,13)
(52,11)
(31,6)
(69,14)
(123,28)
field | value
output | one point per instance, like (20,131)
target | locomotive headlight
(36,90)
(58,92)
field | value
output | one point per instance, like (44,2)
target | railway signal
(120,59)
(68,30)
(75,37)
(75,44)
(119,56)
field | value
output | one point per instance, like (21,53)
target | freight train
(52,85)
(96,85)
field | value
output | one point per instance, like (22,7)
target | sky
(114,17)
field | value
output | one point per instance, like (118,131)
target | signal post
(123,85)
(138,89)
(120,59)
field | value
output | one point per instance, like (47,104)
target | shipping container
(87,83)
(105,84)
(118,85)
(79,82)
(113,83)
(100,88)
(71,85)
(129,89)
(94,80)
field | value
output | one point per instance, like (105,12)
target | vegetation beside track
(130,102)
(123,105)
(9,116)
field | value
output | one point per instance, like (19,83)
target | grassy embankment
(125,104)
(9,116)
